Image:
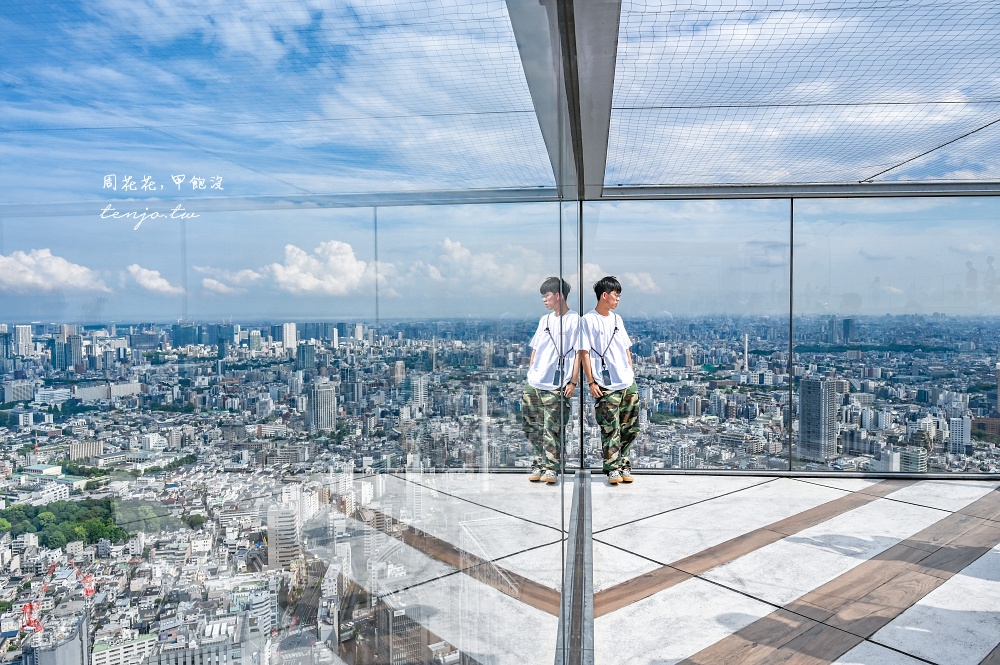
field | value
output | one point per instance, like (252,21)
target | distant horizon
(500,317)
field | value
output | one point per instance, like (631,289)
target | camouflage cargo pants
(617,415)
(544,414)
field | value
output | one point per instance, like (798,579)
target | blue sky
(298,100)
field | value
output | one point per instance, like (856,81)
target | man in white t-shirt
(553,374)
(606,358)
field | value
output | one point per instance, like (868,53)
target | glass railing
(356,485)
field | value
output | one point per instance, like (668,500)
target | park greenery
(986,437)
(62,522)
(661,417)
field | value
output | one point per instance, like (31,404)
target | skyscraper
(848,335)
(418,385)
(289,336)
(57,353)
(960,437)
(184,334)
(322,407)
(282,535)
(831,330)
(74,350)
(228,333)
(22,341)
(305,357)
(817,419)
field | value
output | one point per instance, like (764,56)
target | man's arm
(583,357)
(571,386)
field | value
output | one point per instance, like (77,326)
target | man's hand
(595,390)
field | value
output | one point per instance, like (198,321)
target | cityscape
(173,491)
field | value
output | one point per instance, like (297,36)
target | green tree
(194,521)
(55,540)
(4,525)
(46,519)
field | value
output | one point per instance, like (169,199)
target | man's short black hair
(554,285)
(609,284)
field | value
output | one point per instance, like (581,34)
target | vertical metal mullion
(579,272)
(791,316)
(562,350)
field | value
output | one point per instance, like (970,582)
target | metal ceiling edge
(803,190)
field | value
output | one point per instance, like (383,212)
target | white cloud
(151,280)
(244,276)
(332,269)
(591,273)
(40,270)
(228,282)
(215,286)
(642,282)
(510,268)
(422,269)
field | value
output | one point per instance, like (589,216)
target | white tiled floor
(781,572)
(673,624)
(509,493)
(489,626)
(950,495)
(678,516)
(685,531)
(611,565)
(650,495)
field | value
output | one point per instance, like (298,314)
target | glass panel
(704,305)
(191,397)
(896,335)
(453,549)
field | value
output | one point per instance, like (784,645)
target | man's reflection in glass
(553,374)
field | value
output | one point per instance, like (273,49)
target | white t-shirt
(605,339)
(555,343)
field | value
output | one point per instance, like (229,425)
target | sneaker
(536,474)
(614,477)
(626,472)
(550,476)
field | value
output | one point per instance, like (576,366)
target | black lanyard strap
(604,363)
(554,344)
